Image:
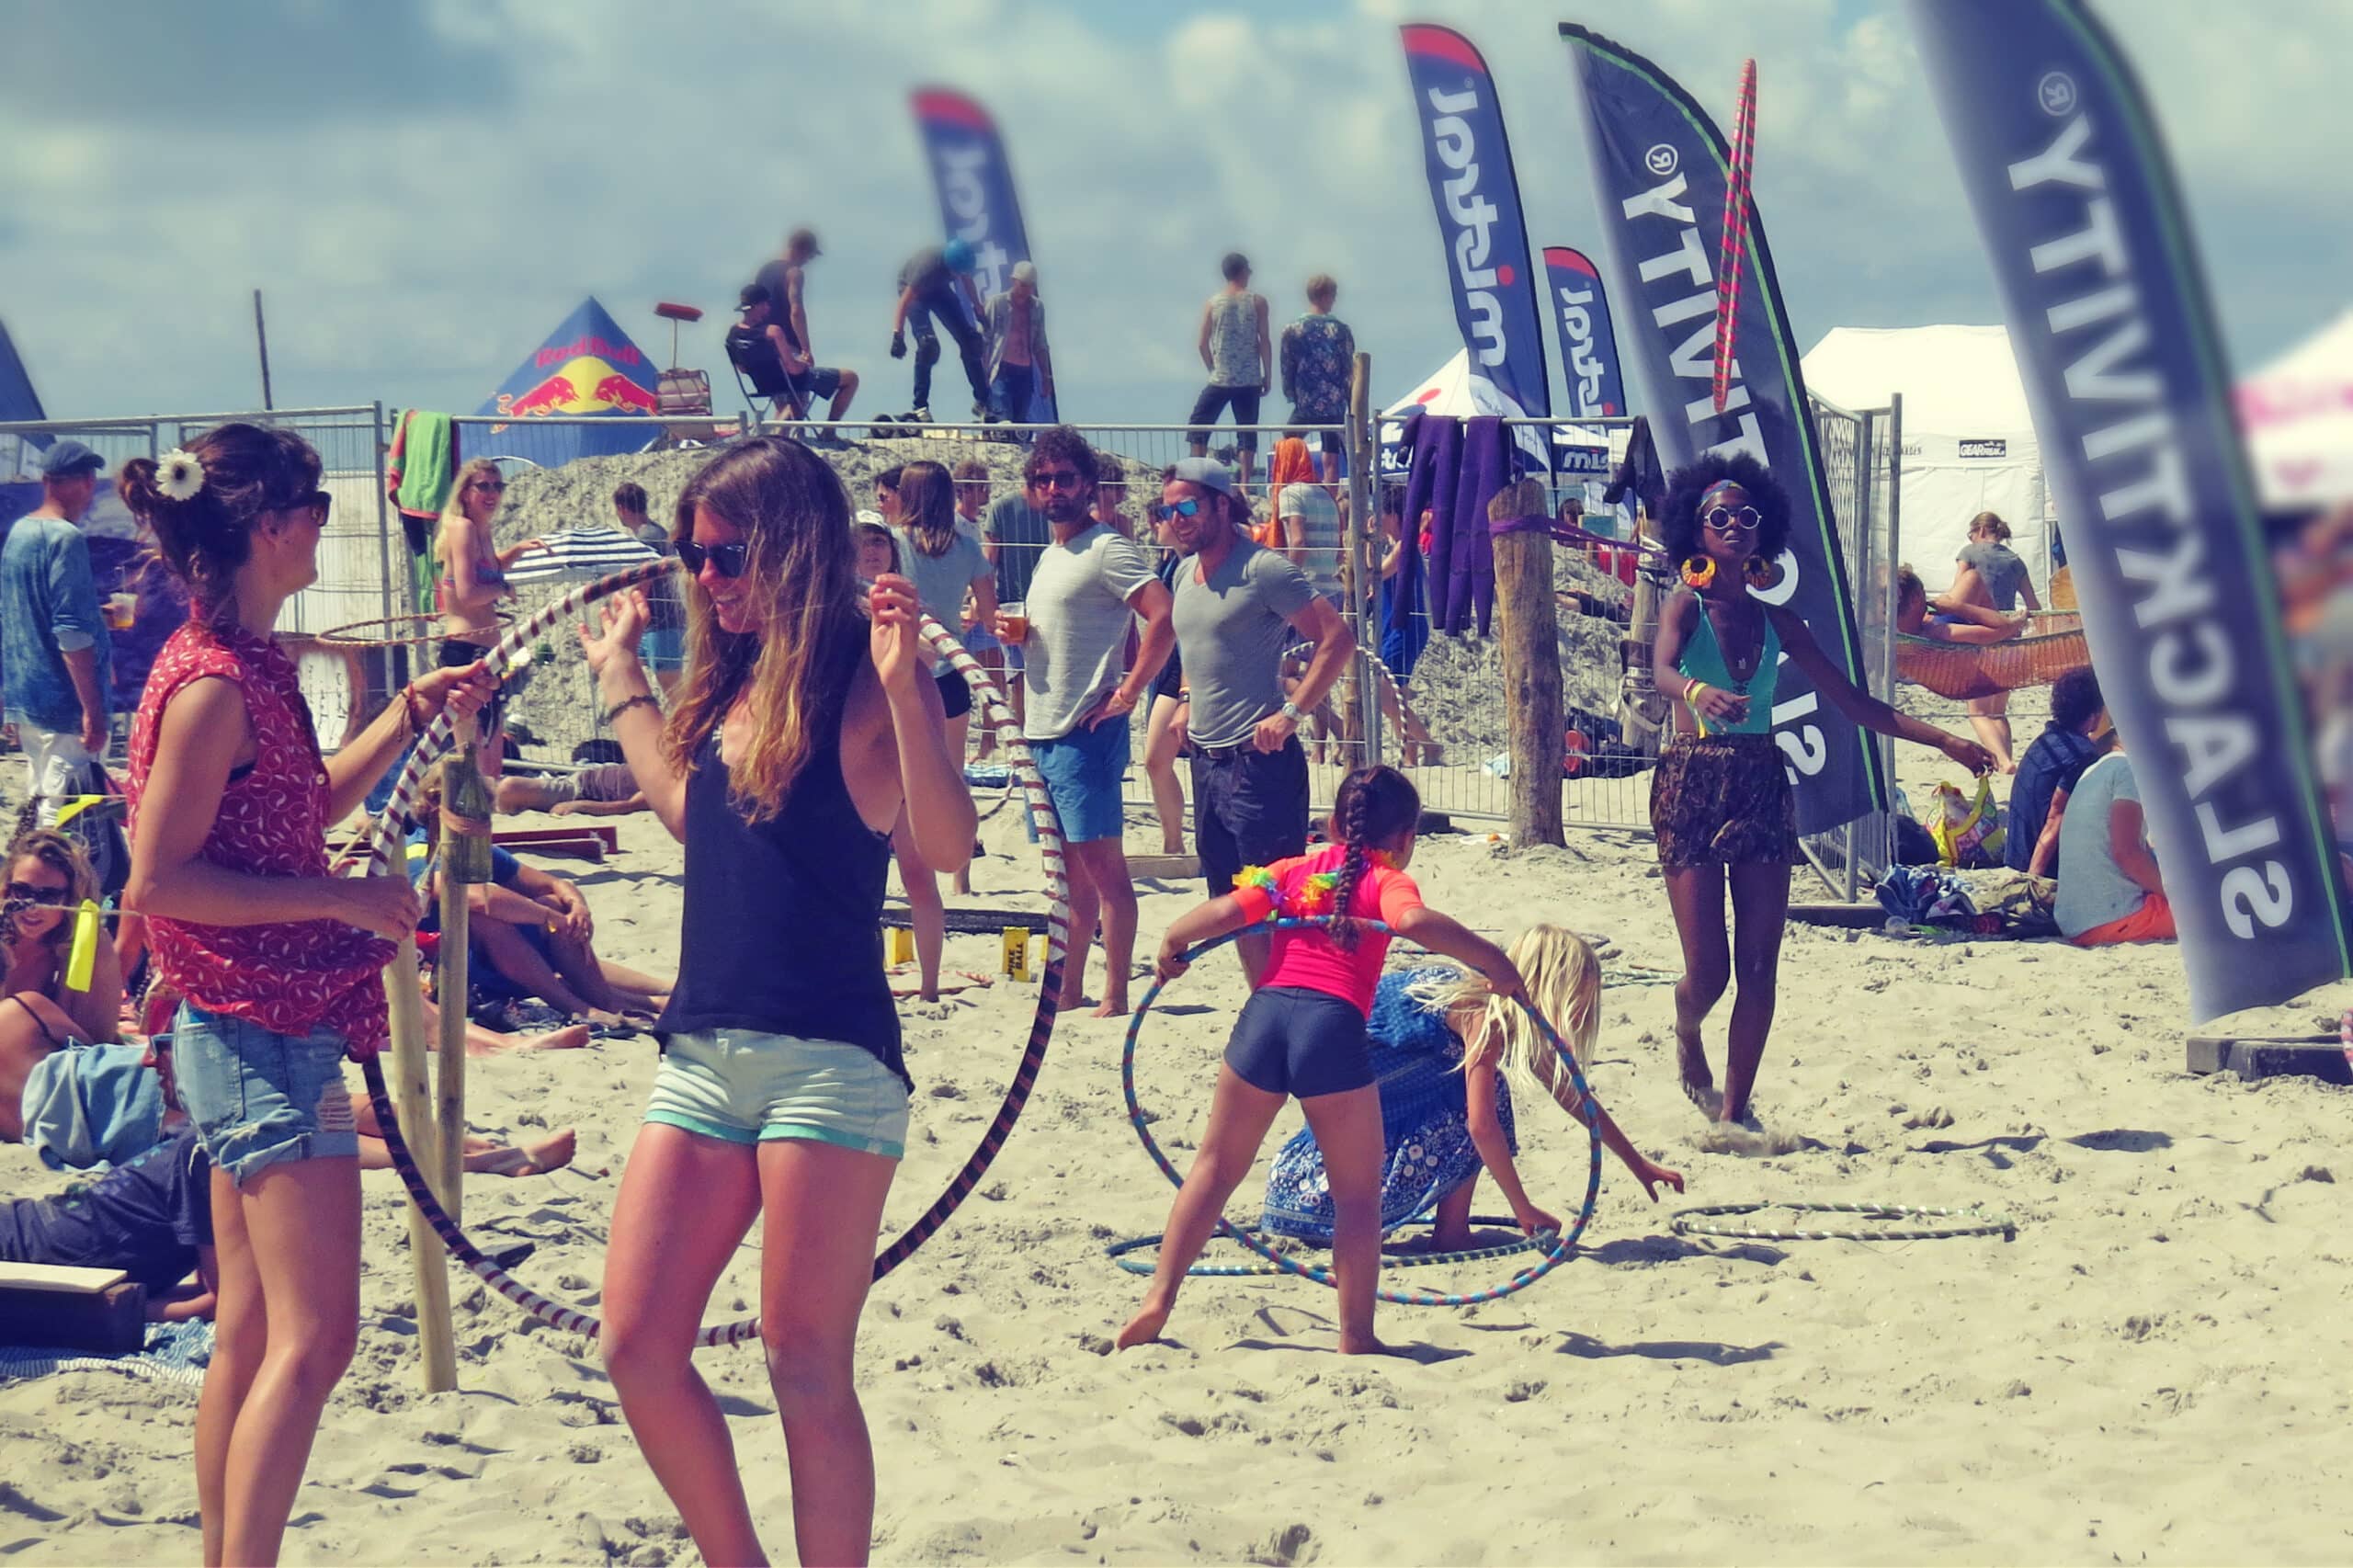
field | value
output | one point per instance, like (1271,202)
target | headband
(1712,491)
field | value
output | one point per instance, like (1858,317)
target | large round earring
(1761,573)
(1699,571)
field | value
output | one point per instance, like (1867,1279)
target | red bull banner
(978,203)
(2116,344)
(587,368)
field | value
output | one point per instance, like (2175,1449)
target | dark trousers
(1249,808)
(941,304)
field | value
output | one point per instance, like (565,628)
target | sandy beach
(2151,1370)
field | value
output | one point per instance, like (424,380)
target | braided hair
(1374,806)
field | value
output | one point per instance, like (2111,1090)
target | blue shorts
(743,1087)
(1085,772)
(665,648)
(258,1097)
(1291,1040)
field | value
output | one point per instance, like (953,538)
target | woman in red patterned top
(281,963)
(1302,1034)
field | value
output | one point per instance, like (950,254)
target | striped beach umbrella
(582,554)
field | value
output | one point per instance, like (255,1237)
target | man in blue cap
(936,285)
(54,650)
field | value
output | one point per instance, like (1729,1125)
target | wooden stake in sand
(1531,658)
(465,843)
(436,1337)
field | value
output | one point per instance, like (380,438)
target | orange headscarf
(1290,465)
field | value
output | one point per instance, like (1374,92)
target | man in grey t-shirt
(1237,608)
(1089,587)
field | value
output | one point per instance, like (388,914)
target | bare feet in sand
(572,1036)
(1365,1344)
(1691,1062)
(1143,1328)
(535,1158)
(1115,1007)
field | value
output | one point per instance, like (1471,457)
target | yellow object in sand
(82,958)
(1017,951)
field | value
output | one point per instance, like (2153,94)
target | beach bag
(1968,830)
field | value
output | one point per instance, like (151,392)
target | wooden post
(1532,652)
(465,844)
(1362,703)
(436,1337)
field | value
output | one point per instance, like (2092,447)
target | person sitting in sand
(1721,804)
(47,878)
(531,936)
(2111,890)
(1302,1034)
(2048,774)
(1446,1109)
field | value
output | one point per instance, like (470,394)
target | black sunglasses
(1058,479)
(730,559)
(493,486)
(30,892)
(315,502)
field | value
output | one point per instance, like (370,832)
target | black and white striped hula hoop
(386,846)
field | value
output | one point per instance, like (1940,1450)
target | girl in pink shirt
(1302,1034)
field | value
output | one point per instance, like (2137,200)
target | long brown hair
(927,507)
(795,517)
(247,469)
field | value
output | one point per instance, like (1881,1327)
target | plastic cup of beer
(1013,622)
(122,610)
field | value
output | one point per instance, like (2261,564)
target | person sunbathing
(48,878)
(606,790)
(532,937)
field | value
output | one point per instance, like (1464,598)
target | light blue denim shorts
(748,1087)
(258,1097)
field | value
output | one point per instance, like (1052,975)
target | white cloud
(417,234)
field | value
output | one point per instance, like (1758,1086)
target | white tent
(1969,443)
(1455,390)
(2297,412)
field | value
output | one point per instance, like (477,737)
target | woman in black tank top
(803,732)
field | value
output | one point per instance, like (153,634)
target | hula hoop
(1978,1223)
(428,630)
(1117,1253)
(399,812)
(1557,1250)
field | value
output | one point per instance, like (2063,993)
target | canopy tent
(587,366)
(2297,413)
(1457,390)
(1969,443)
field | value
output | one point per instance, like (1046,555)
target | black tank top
(783,928)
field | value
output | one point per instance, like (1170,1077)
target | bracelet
(626,703)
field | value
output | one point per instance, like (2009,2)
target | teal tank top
(1703,660)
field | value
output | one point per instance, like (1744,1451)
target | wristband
(626,703)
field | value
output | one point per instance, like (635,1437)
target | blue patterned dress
(1424,1120)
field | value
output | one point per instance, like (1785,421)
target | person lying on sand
(607,790)
(1301,1035)
(152,1217)
(1953,620)
(1446,1109)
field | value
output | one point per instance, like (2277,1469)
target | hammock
(1964,670)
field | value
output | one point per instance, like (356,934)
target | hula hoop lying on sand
(1977,1222)
(1557,1249)
(1117,1253)
(389,833)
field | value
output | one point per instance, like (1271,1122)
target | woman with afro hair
(1720,799)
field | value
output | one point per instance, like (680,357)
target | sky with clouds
(422,188)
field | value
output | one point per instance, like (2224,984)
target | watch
(1294,712)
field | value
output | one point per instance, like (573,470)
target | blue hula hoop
(1556,1250)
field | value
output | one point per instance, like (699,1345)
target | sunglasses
(1724,520)
(1189,508)
(315,503)
(1058,479)
(33,892)
(730,559)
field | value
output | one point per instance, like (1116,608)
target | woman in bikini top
(47,877)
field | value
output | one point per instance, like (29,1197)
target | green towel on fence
(428,462)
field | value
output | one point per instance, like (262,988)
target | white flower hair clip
(179,475)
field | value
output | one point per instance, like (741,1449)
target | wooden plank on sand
(72,1308)
(2320,1056)
(1848,916)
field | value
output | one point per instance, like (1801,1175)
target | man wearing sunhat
(54,649)
(1020,365)
(936,287)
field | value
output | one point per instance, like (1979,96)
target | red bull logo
(586,385)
